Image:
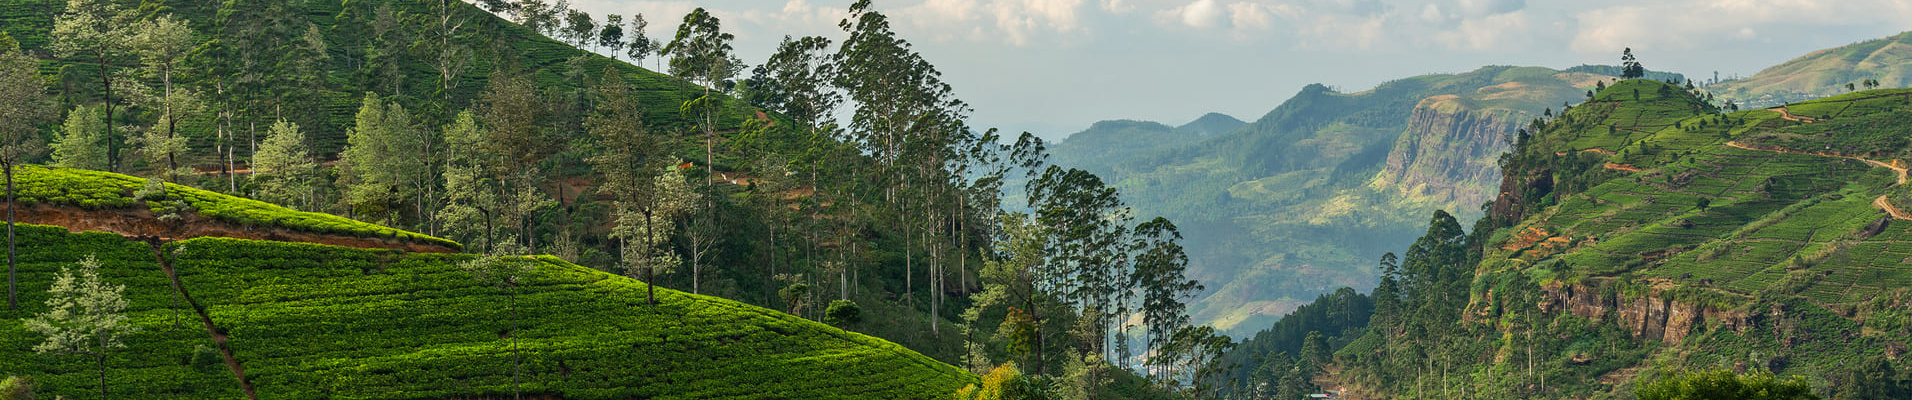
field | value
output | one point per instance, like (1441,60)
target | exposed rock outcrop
(1652,316)
(1449,153)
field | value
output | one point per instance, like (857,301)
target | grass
(321,322)
(95,190)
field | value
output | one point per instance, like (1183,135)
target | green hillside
(110,192)
(310,321)
(1644,233)
(1826,72)
(1302,200)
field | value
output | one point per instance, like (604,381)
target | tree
(471,186)
(443,46)
(1849,87)
(1159,273)
(580,29)
(519,138)
(1629,66)
(23,105)
(96,29)
(388,160)
(506,274)
(1720,384)
(85,315)
(842,314)
(641,45)
(286,163)
(80,144)
(701,53)
(161,44)
(612,35)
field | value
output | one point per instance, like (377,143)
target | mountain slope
(1644,230)
(1825,72)
(1304,199)
(306,321)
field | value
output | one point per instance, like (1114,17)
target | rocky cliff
(1447,155)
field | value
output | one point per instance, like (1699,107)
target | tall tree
(23,105)
(389,160)
(612,35)
(162,44)
(520,138)
(1629,66)
(632,163)
(641,45)
(471,184)
(96,30)
(446,33)
(285,161)
(701,53)
(85,315)
(1159,273)
(580,29)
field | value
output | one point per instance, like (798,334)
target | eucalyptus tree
(162,44)
(1160,267)
(99,31)
(632,161)
(612,35)
(472,200)
(445,32)
(519,137)
(1089,244)
(580,29)
(701,53)
(24,104)
(641,45)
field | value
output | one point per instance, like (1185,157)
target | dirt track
(1883,203)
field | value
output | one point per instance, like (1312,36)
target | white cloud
(1017,22)
(1249,17)
(1200,14)
(1696,23)
(1490,7)
(1493,32)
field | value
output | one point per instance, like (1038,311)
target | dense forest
(837,180)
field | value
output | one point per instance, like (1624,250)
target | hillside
(1645,230)
(307,321)
(1825,72)
(1107,143)
(1305,198)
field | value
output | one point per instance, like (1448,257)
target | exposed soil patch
(140,222)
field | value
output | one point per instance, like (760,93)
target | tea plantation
(309,321)
(95,190)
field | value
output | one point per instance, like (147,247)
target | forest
(823,182)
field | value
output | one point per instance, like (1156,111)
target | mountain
(232,318)
(1304,199)
(1641,232)
(1825,72)
(1109,142)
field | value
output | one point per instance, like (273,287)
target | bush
(16,388)
(1720,384)
(843,313)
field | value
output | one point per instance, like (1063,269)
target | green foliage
(843,313)
(96,190)
(81,142)
(311,321)
(16,388)
(1720,384)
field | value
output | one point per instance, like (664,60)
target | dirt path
(1783,113)
(218,336)
(1883,203)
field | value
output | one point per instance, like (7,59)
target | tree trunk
(112,143)
(100,358)
(13,281)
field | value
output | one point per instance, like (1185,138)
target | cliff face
(1447,155)
(1651,317)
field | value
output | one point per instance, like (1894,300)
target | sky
(1055,66)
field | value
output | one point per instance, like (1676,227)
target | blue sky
(1055,66)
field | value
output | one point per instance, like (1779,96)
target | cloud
(1490,7)
(1498,31)
(1693,24)
(1249,17)
(1201,14)
(1016,22)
